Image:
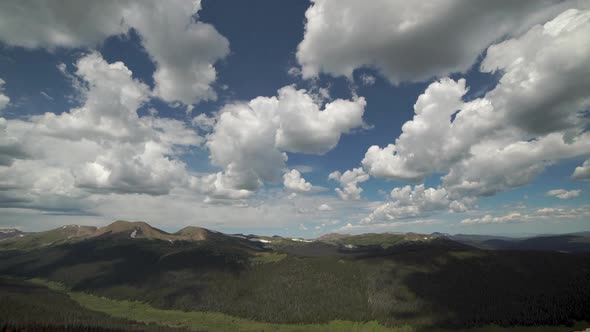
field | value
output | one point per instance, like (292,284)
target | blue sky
(171,113)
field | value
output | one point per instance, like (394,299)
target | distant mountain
(72,233)
(193,233)
(332,236)
(51,237)
(562,243)
(476,240)
(10,233)
(576,242)
(383,240)
(134,229)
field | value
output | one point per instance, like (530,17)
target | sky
(296,118)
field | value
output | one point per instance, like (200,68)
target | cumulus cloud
(402,40)
(100,147)
(582,172)
(500,141)
(249,140)
(184,50)
(110,107)
(307,129)
(217,189)
(431,127)
(243,145)
(538,61)
(494,168)
(417,201)
(349,182)
(293,181)
(564,194)
(325,207)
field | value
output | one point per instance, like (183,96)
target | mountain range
(16,239)
(374,282)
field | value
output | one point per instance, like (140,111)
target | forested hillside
(394,279)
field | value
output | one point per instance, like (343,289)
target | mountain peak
(193,233)
(332,236)
(135,229)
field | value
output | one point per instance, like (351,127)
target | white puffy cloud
(495,167)
(532,94)
(325,207)
(4,99)
(349,182)
(415,202)
(305,128)
(429,142)
(110,107)
(293,181)
(403,40)
(500,141)
(564,194)
(538,111)
(184,50)
(249,140)
(243,145)
(217,189)
(100,147)
(582,172)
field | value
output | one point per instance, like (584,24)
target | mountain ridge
(15,239)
